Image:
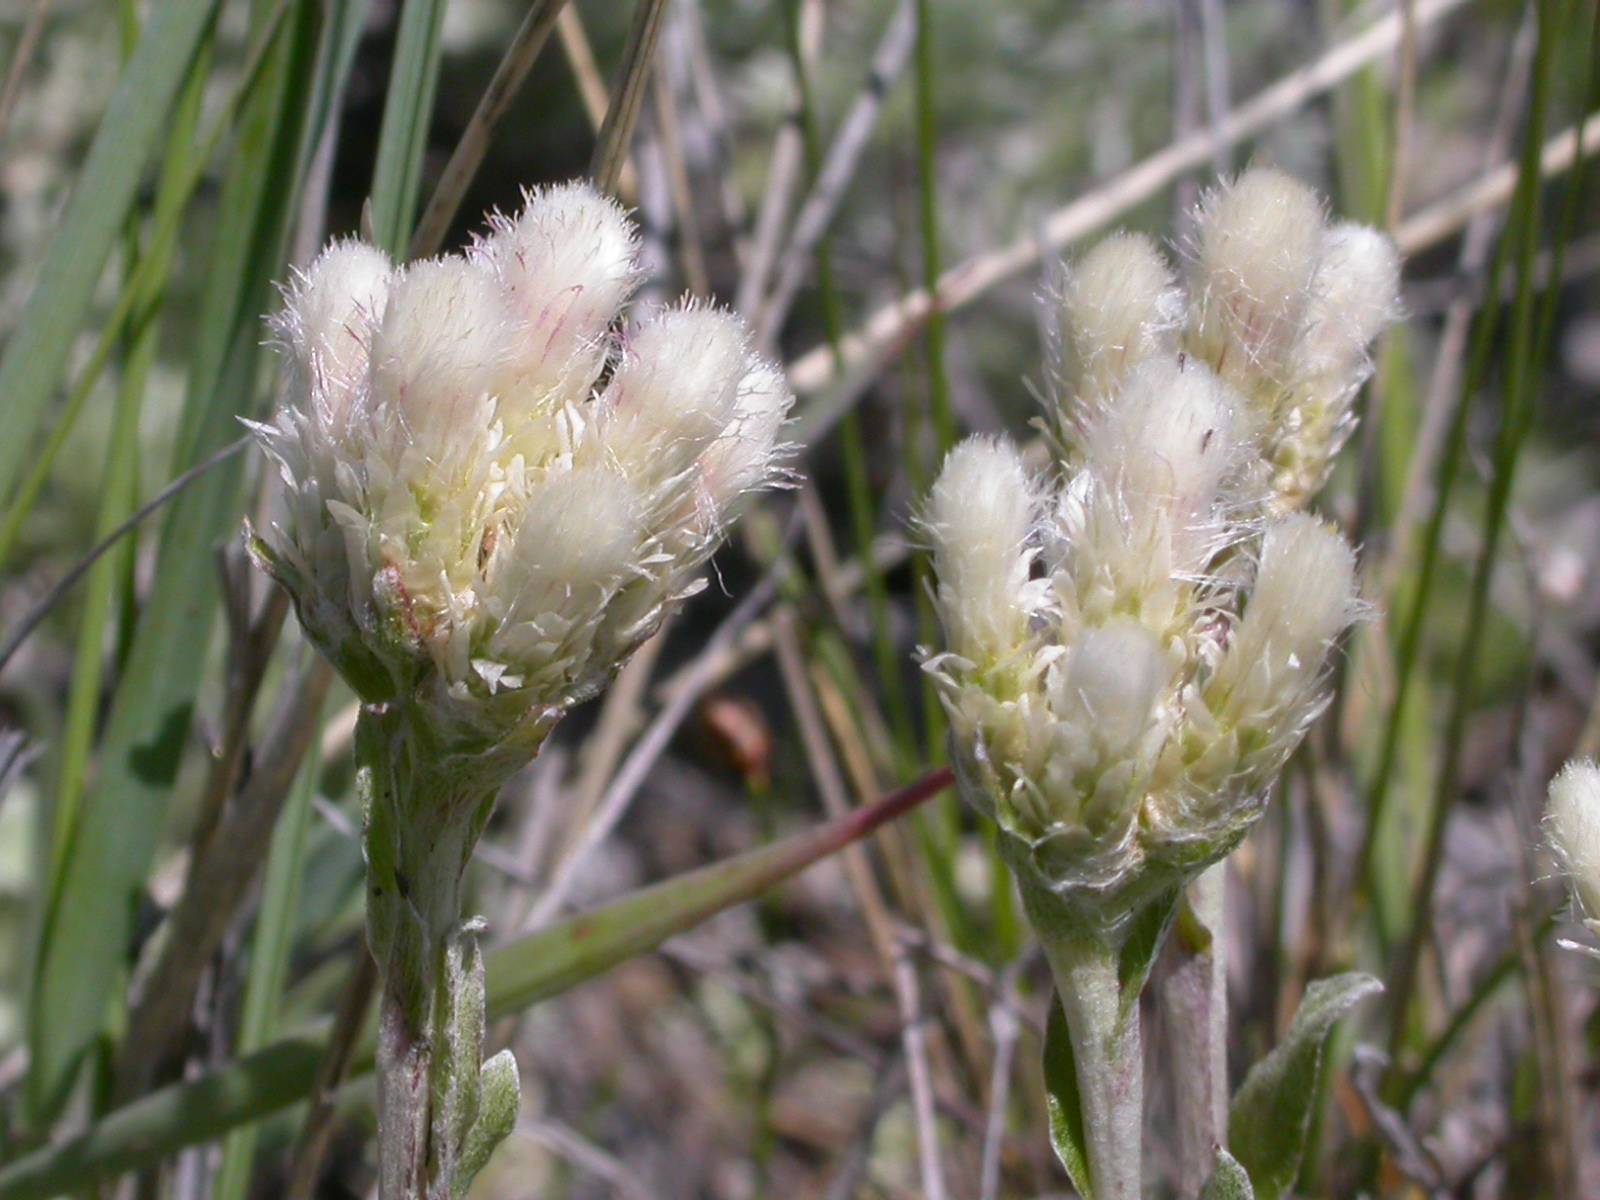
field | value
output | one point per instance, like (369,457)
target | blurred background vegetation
(162,165)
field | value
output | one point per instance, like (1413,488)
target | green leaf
(528,970)
(1061,1098)
(1146,936)
(88,924)
(500,1092)
(269,961)
(403,136)
(1271,1115)
(1229,1181)
(134,123)
(119,481)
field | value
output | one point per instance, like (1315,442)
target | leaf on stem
(1271,1114)
(1229,1181)
(1146,935)
(501,1093)
(1067,1134)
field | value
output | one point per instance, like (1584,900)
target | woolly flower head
(1572,820)
(491,492)
(1134,649)
(1284,307)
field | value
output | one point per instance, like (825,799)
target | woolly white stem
(422,820)
(1107,1053)
(1194,1006)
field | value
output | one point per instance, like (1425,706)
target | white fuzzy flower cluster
(1572,820)
(1280,304)
(491,493)
(1133,653)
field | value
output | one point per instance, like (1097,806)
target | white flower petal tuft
(1133,649)
(462,517)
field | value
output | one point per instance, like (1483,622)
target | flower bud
(1109,689)
(740,461)
(1258,243)
(578,544)
(566,263)
(1173,436)
(1355,296)
(332,311)
(436,354)
(980,515)
(676,389)
(1572,819)
(1303,599)
(1119,307)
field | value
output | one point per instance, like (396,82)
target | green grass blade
(493,106)
(88,922)
(163,239)
(627,95)
(852,443)
(119,493)
(269,962)
(528,970)
(403,137)
(136,121)
(1516,419)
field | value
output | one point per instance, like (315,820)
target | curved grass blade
(88,923)
(135,122)
(495,102)
(528,970)
(119,490)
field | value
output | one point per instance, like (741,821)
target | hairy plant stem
(1106,1047)
(1194,1005)
(427,802)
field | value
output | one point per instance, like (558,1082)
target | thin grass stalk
(21,58)
(1444,218)
(941,827)
(944,423)
(627,95)
(269,962)
(830,174)
(666,85)
(105,545)
(940,415)
(317,1126)
(1516,420)
(1503,971)
(493,105)
(783,174)
(852,445)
